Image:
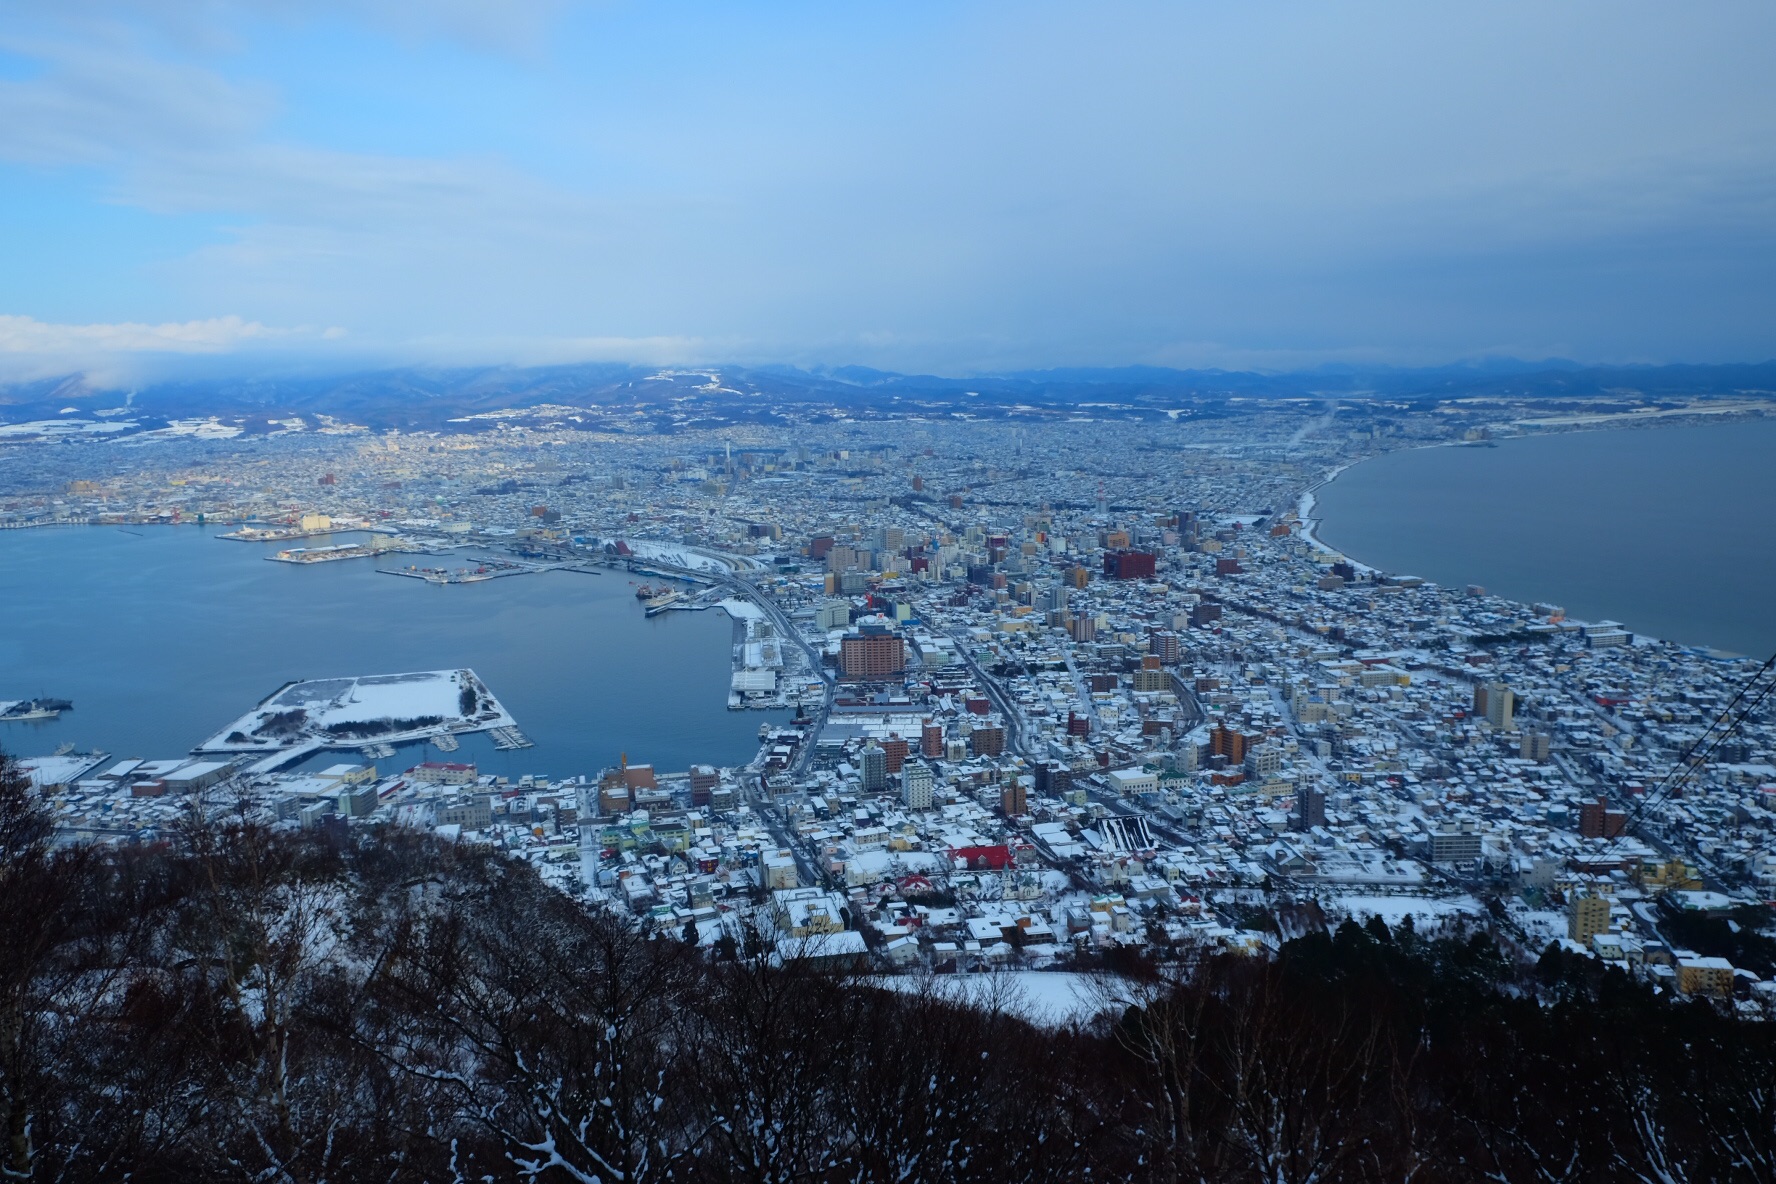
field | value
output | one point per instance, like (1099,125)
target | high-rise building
(1493,702)
(704,779)
(1053,778)
(1227,742)
(1535,746)
(1013,798)
(916,785)
(988,740)
(894,750)
(1310,808)
(931,740)
(1587,916)
(1598,821)
(874,764)
(1166,646)
(834,614)
(873,651)
(1082,628)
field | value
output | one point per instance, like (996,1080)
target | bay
(1671,531)
(162,636)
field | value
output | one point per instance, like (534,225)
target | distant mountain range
(430,397)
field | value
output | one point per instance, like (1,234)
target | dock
(507,739)
(445,742)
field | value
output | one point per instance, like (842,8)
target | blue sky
(946,187)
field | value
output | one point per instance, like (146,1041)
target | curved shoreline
(1312,522)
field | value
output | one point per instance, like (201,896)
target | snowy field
(387,708)
(1053,999)
(1394,909)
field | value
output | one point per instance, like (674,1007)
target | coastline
(1313,523)
(657,720)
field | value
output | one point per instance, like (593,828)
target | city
(1042,708)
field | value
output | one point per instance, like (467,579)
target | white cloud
(114,355)
(27,335)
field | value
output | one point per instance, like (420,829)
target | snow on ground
(680,556)
(323,705)
(1394,909)
(1052,998)
(741,609)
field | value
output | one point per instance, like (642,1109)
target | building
(1204,615)
(470,813)
(1705,976)
(1598,821)
(1587,915)
(1152,681)
(1461,845)
(1133,780)
(834,614)
(1310,808)
(894,749)
(704,780)
(1535,746)
(443,773)
(1225,741)
(916,785)
(1263,760)
(931,740)
(1128,565)
(778,870)
(873,651)
(1053,778)
(873,764)
(988,740)
(1165,645)
(1013,799)
(1493,702)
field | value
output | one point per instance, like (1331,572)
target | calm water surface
(162,637)
(1671,531)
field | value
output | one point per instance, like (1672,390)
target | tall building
(1013,798)
(1493,701)
(875,768)
(1053,778)
(704,780)
(874,651)
(931,740)
(916,785)
(894,750)
(1535,747)
(1165,645)
(1225,741)
(1587,915)
(1310,808)
(988,740)
(1598,821)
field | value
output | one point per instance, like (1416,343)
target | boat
(644,592)
(25,709)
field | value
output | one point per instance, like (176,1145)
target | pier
(508,739)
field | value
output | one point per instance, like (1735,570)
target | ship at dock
(16,710)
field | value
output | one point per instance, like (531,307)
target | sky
(950,187)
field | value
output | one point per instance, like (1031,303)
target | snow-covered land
(386,708)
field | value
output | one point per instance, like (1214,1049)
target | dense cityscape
(1062,687)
